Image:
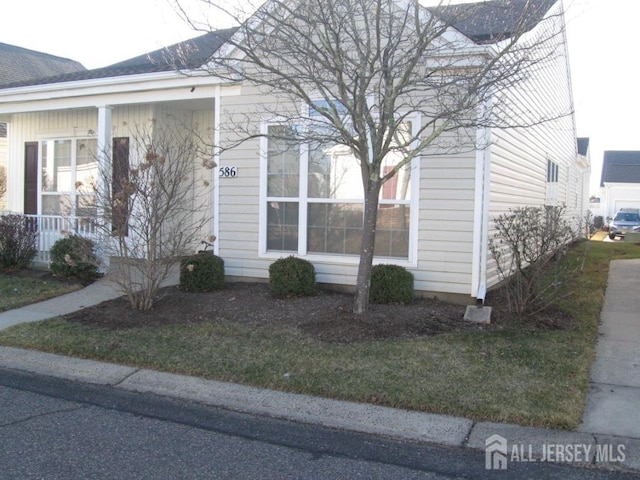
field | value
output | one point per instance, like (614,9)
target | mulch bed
(326,316)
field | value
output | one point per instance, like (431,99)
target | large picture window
(315,200)
(69,169)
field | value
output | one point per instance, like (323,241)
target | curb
(526,443)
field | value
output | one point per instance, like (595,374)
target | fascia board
(114,91)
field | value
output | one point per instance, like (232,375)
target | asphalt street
(59,429)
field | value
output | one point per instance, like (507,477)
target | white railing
(53,227)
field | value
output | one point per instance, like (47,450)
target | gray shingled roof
(620,167)
(19,64)
(189,54)
(583,146)
(485,22)
(492,21)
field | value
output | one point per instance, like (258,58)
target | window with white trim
(315,200)
(69,169)
(553,176)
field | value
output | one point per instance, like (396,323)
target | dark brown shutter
(31,178)
(120,175)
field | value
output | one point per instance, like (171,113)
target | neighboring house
(620,181)
(19,65)
(436,217)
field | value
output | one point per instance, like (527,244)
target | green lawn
(515,374)
(18,291)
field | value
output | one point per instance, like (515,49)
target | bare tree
(152,204)
(3,183)
(386,79)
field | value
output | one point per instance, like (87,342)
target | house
(20,64)
(435,217)
(620,181)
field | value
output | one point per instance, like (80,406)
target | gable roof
(496,20)
(19,64)
(620,167)
(189,54)
(583,146)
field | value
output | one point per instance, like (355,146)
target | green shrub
(18,237)
(74,256)
(292,277)
(201,273)
(391,284)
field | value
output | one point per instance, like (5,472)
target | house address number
(228,172)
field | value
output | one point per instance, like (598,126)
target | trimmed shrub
(201,273)
(391,284)
(74,256)
(292,277)
(17,242)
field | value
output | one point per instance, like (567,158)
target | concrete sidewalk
(611,421)
(613,404)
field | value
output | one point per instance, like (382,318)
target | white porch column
(104,161)
(104,136)
(216,179)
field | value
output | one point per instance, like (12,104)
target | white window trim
(410,262)
(51,137)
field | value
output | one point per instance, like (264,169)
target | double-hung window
(69,170)
(314,200)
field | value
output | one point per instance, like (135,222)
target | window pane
(86,165)
(397,187)
(392,231)
(283,164)
(334,173)
(56,166)
(56,205)
(282,226)
(86,206)
(334,228)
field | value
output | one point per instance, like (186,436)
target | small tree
(18,240)
(3,183)
(527,247)
(153,205)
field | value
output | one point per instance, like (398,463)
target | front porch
(51,228)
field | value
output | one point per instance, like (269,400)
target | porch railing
(53,227)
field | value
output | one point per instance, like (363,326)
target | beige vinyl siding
(445,234)
(239,197)
(519,156)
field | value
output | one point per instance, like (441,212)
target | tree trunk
(363,285)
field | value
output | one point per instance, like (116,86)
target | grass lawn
(514,374)
(18,291)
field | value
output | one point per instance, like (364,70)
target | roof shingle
(620,167)
(19,64)
(189,54)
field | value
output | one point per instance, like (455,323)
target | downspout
(216,177)
(481,210)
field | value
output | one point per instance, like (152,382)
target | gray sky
(603,38)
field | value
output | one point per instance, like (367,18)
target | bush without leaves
(17,242)
(527,248)
(292,277)
(74,256)
(201,273)
(391,284)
